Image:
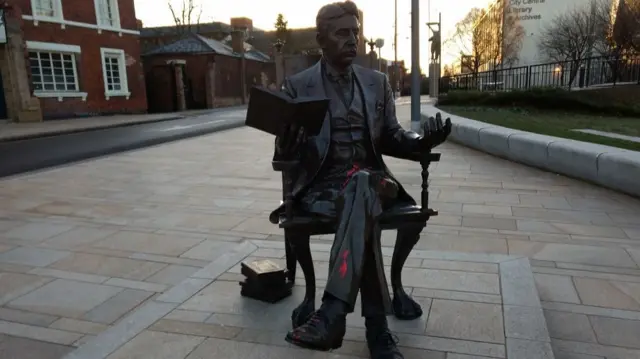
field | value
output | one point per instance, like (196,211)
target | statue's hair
(334,11)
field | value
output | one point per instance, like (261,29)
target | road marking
(184,127)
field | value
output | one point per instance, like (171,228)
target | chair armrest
(419,157)
(284,166)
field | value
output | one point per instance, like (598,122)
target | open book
(269,111)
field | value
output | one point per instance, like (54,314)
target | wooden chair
(408,221)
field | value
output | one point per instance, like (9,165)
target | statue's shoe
(382,343)
(323,331)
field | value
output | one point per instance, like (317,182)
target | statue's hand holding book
(291,120)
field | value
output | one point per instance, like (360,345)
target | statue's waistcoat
(350,143)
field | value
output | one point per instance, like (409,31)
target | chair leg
(300,243)
(291,260)
(404,307)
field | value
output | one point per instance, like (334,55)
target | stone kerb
(607,166)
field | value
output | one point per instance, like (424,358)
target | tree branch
(573,34)
(184,19)
(176,20)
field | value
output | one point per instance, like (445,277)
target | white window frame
(122,69)
(57,12)
(116,15)
(73,50)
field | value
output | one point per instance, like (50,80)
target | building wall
(534,16)
(227,90)
(78,28)
(17,102)
(228,86)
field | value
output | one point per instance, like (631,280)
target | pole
(243,71)
(415,65)
(396,67)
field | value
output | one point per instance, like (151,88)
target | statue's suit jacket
(385,133)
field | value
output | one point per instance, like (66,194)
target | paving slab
(65,298)
(218,312)
(20,348)
(157,229)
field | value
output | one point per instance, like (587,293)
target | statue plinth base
(434,79)
(265,281)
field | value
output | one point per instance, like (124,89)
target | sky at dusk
(378,18)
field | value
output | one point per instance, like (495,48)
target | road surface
(33,154)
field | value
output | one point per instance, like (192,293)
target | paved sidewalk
(14,131)
(135,256)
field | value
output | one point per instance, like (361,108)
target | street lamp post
(434,63)
(415,65)
(396,68)
(379,45)
(279,61)
(278,45)
(372,45)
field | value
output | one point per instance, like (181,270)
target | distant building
(301,41)
(196,72)
(70,58)
(155,37)
(532,17)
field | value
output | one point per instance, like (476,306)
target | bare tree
(187,17)
(447,71)
(469,42)
(571,37)
(634,7)
(510,37)
(488,37)
(626,27)
(603,15)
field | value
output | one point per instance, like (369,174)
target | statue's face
(339,41)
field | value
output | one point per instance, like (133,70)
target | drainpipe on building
(243,76)
(240,26)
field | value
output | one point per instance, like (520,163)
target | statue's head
(338,30)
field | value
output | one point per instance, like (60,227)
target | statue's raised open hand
(435,132)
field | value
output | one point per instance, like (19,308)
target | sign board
(3,28)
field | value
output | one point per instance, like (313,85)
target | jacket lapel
(315,88)
(367,87)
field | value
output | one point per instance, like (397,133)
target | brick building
(70,58)
(196,72)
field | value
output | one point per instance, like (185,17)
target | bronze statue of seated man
(342,175)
